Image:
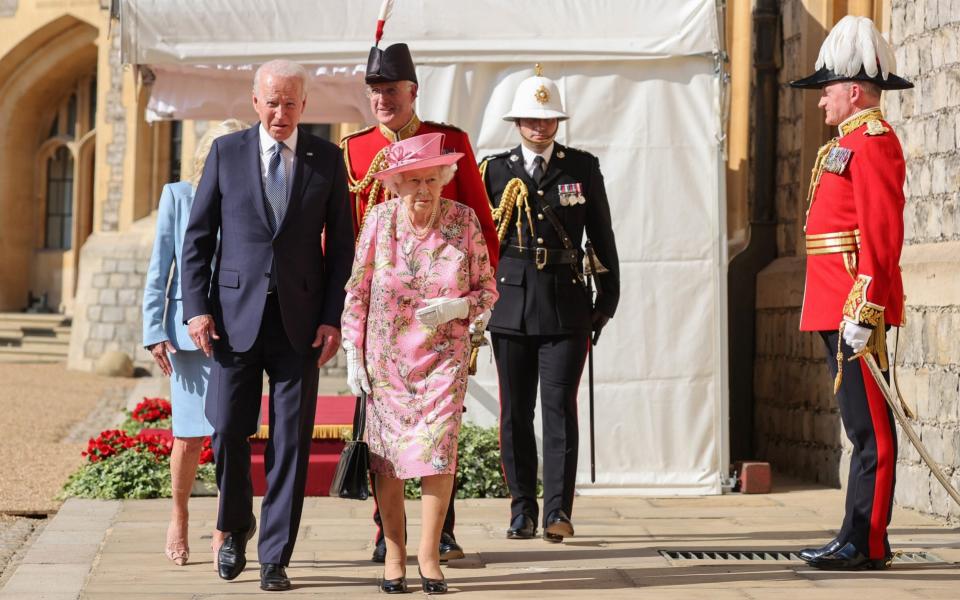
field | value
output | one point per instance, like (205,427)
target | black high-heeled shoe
(432,586)
(393,586)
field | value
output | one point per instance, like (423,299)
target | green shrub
(133,427)
(478,466)
(127,475)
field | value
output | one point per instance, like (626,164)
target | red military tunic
(855,228)
(361,148)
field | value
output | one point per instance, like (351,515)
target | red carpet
(333,421)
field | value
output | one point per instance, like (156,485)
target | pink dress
(418,374)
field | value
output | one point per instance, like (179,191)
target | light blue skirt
(189,388)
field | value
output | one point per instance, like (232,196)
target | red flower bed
(152,409)
(113,441)
(206,454)
(109,443)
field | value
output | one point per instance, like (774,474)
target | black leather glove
(598,321)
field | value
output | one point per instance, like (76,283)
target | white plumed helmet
(855,51)
(537,97)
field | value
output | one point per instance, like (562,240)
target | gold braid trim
(514,196)
(378,164)
(320,432)
(815,175)
(857,309)
(865,116)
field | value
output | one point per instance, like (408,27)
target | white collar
(267,141)
(529,155)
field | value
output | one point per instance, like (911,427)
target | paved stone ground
(107,550)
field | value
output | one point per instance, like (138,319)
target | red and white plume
(855,42)
(386,9)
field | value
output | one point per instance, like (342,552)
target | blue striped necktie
(276,187)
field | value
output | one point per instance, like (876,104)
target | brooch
(514,158)
(560,154)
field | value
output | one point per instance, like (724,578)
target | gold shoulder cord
(356,187)
(514,196)
(815,175)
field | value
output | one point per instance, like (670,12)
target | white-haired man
(854,235)
(278,198)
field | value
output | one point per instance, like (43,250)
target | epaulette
(344,139)
(503,154)
(444,125)
(875,127)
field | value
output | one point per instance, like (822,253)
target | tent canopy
(640,81)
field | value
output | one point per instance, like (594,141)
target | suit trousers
(237,378)
(869,425)
(555,362)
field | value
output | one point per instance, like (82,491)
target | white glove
(856,336)
(356,371)
(479,324)
(440,310)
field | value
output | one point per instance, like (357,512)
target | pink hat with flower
(417,152)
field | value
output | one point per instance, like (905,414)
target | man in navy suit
(278,197)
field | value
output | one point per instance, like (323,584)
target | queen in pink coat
(421,276)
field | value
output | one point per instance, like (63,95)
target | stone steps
(26,337)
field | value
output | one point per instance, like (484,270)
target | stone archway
(34,76)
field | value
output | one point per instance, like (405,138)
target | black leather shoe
(380,551)
(394,586)
(273,578)
(432,586)
(232,556)
(521,527)
(848,558)
(808,554)
(558,523)
(449,548)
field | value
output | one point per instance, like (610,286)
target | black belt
(544,257)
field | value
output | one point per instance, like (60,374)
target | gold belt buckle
(541,258)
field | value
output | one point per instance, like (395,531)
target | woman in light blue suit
(165,336)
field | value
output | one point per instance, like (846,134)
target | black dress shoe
(379,551)
(232,556)
(808,554)
(449,548)
(521,527)
(552,538)
(394,586)
(558,524)
(432,586)
(273,578)
(848,558)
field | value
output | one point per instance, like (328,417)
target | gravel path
(40,406)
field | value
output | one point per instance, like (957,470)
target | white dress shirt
(288,154)
(529,156)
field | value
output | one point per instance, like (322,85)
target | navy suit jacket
(312,249)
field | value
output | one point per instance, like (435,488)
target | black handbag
(350,480)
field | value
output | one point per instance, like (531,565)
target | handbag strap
(360,417)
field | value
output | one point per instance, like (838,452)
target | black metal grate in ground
(727,555)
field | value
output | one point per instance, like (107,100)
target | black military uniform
(542,322)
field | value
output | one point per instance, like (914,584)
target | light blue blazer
(162,304)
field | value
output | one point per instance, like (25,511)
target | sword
(907,428)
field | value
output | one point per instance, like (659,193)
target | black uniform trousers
(869,425)
(556,363)
(238,381)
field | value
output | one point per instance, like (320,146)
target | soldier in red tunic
(392,88)
(853,291)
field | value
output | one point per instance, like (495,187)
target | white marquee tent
(642,83)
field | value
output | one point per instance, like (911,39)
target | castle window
(59,205)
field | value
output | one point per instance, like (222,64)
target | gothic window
(59,217)
(71,125)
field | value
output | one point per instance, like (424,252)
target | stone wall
(797,424)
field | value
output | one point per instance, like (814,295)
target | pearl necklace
(422,233)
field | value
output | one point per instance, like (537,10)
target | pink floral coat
(418,374)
